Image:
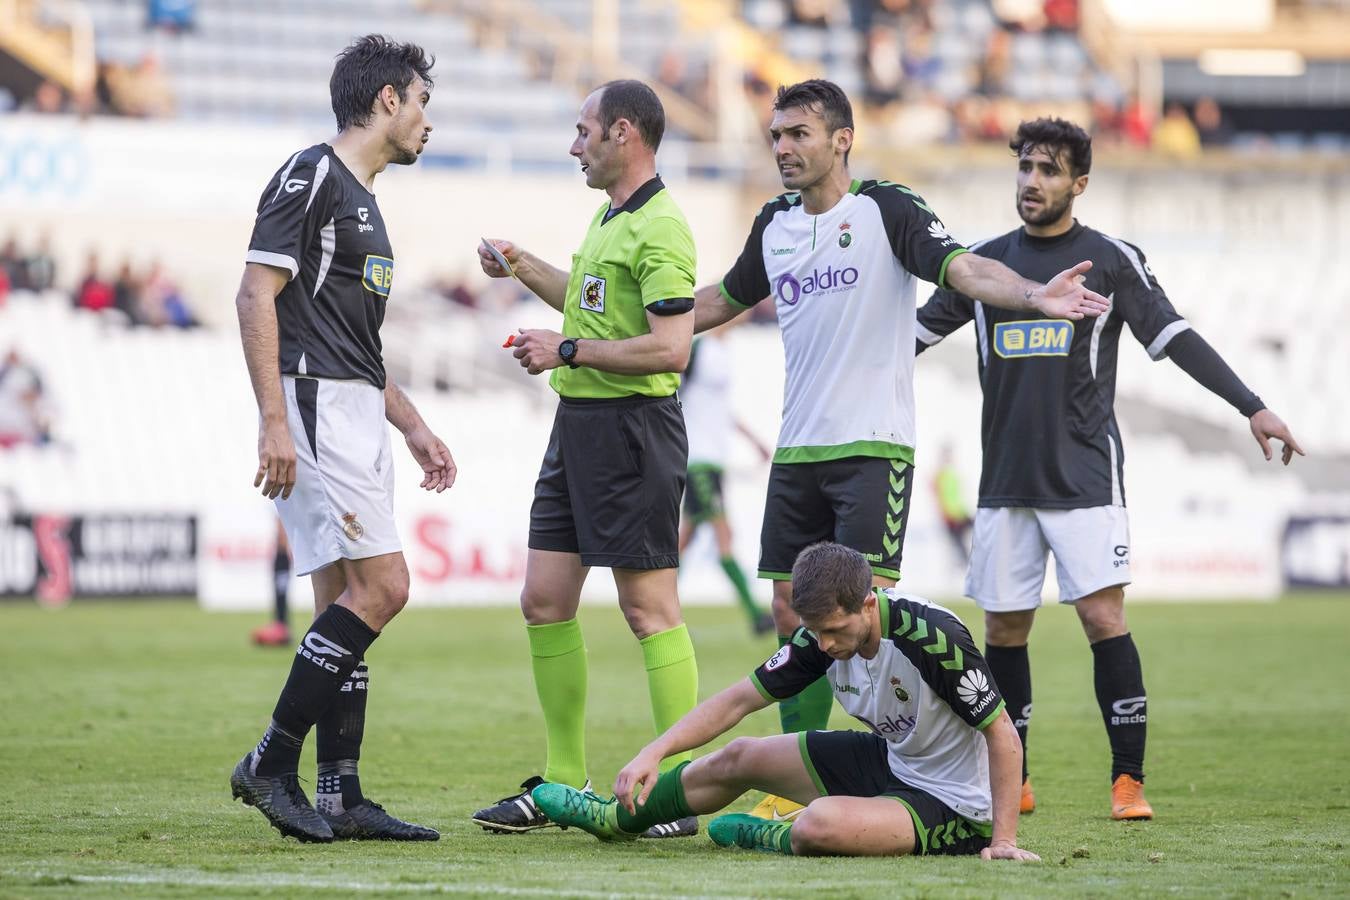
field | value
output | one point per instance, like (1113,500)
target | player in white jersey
(937,772)
(709,422)
(842,259)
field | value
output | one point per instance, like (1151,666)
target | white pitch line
(265,881)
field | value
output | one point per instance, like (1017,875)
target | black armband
(1198,359)
(675,306)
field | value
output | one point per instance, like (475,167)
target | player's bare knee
(811,831)
(730,764)
(1008,629)
(1102,614)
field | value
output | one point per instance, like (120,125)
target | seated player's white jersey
(704,394)
(928,693)
(843,283)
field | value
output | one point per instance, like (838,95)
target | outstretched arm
(1005,786)
(712,308)
(711,718)
(991,282)
(1194,356)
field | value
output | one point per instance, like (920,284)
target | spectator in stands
(23,418)
(1136,122)
(39,267)
(171,15)
(917,59)
(126,292)
(11,263)
(995,65)
(1175,135)
(142,92)
(162,302)
(48,98)
(812,13)
(882,70)
(1213,129)
(94,293)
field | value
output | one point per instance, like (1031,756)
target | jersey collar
(1045,243)
(649,189)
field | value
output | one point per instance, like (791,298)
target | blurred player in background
(952,504)
(1053,475)
(608,492)
(936,772)
(277,633)
(705,393)
(842,258)
(313,296)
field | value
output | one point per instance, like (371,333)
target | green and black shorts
(853,764)
(703,494)
(859,501)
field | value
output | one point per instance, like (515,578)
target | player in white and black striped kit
(1053,462)
(317,278)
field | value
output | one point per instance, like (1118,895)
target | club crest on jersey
(593,293)
(353,529)
(378,274)
(845,236)
(1039,337)
(779,658)
(900,693)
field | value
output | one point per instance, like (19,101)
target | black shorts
(860,501)
(853,764)
(610,484)
(703,494)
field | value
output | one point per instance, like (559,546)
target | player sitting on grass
(938,772)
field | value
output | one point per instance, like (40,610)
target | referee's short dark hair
(827,577)
(822,97)
(1053,135)
(630,99)
(365,67)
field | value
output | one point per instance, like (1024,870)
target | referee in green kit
(609,488)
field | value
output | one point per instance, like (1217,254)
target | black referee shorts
(610,485)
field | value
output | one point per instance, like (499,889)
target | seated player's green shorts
(703,493)
(853,764)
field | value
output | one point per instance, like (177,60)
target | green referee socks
(666,803)
(672,679)
(558,656)
(809,710)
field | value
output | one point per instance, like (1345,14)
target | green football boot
(569,806)
(752,833)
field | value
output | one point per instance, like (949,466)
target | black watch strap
(568,351)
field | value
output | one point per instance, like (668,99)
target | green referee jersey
(632,256)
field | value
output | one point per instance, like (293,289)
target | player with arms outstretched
(842,259)
(1053,476)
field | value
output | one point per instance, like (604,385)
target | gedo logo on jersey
(378,275)
(1037,337)
(827,281)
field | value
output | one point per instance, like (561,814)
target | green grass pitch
(121,723)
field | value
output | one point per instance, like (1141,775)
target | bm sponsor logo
(378,275)
(1039,337)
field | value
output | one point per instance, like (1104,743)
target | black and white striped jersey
(321,225)
(1049,427)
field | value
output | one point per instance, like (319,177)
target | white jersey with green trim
(928,692)
(844,283)
(705,394)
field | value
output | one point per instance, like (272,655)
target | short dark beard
(1049,214)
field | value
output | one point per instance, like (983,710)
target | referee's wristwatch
(568,351)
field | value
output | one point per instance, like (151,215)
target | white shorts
(343,502)
(1007,562)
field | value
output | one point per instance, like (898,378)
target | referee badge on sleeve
(593,293)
